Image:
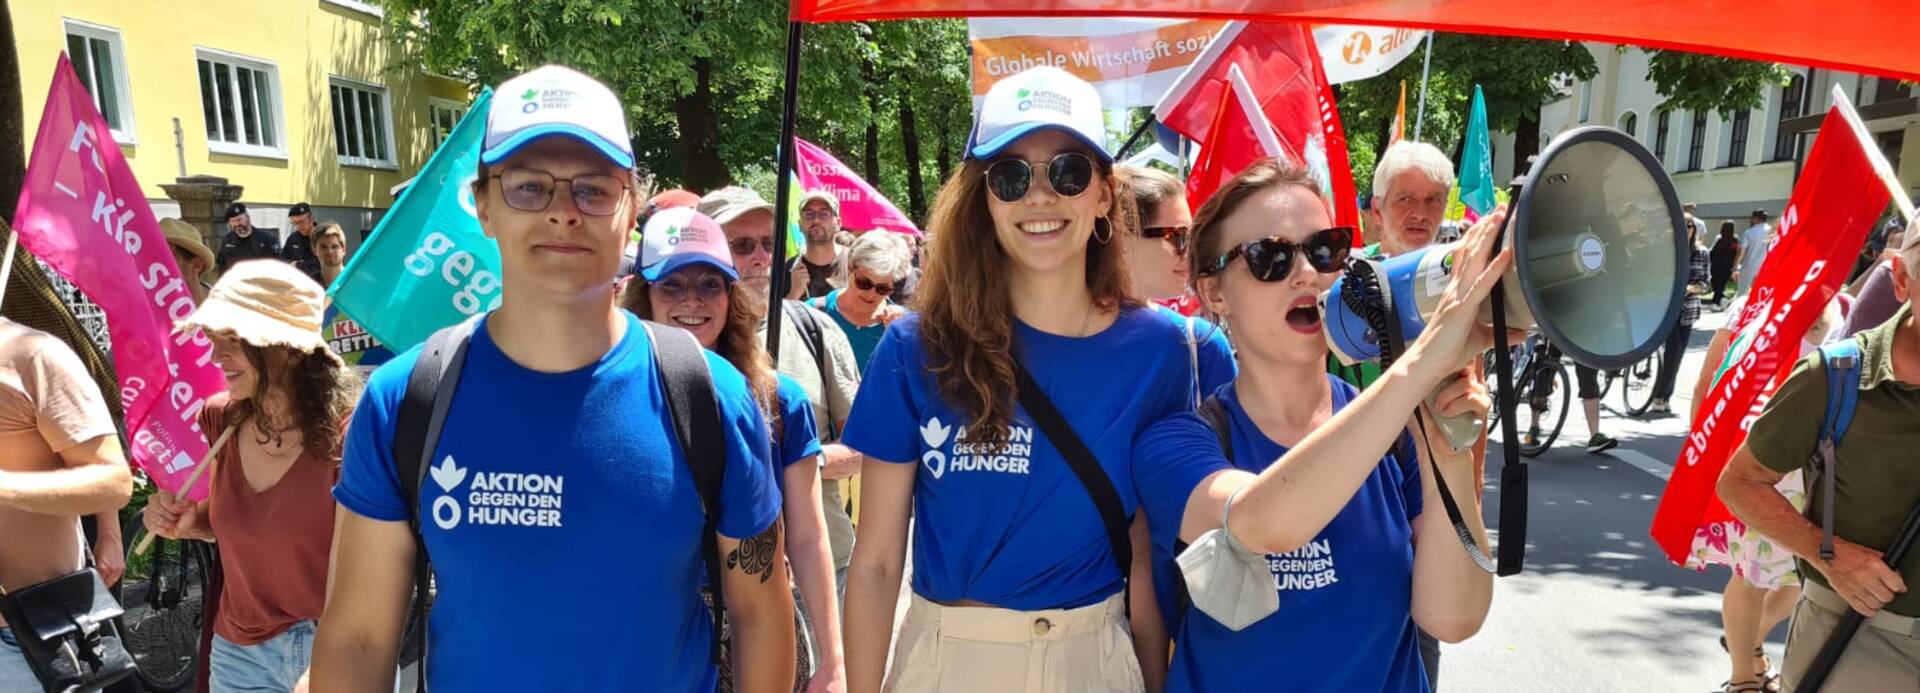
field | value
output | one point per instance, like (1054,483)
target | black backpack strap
(416,432)
(1106,498)
(816,340)
(1215,413)
(696,424)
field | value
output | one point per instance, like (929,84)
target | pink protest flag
(82,212)
(861,207)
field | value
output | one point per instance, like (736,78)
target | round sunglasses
(1068,173)
(1270,259)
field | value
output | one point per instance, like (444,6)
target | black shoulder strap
(1106,498)
(696,424)
(1215,412)
(816,341)
(416,432)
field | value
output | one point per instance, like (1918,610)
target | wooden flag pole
(194,478)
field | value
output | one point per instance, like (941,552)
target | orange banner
(1095,59)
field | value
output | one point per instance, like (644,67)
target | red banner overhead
(1872,36)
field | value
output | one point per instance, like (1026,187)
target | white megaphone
(1600,265)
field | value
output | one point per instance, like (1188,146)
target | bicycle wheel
(164,595)
(1544,413)
(1637,392)
(1606,382)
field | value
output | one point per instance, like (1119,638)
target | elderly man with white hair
(877,264)
(1410,188)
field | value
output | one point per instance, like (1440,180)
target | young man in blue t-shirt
(562,521)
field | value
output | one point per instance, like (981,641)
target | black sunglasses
(1271,258)
(744,245)
(1069,173)
(1176,235)
(865,284)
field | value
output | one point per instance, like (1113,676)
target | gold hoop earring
(1102,225)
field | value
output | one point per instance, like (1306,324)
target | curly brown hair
(739,343)
(966,304)
(322,393)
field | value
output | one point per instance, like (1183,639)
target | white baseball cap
(1040,98)
(679,237)
(556,100)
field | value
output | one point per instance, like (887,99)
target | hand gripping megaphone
(1600,266)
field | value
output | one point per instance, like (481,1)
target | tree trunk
(704,170)
(910,144)
(1526,141)
(870,159)
(13,151)
(943,156)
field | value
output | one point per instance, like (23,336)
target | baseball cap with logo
(679,237)
(556,100)
(1040,98)
(732,202)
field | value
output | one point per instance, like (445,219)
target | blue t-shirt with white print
(560,511)
(1013,527)
(1209,348)
(1345,620)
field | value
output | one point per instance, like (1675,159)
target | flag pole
(783,192)
(1426,68)
(6,267)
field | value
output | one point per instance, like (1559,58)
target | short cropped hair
(1408,154)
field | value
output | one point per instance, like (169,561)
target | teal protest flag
(427,265)
(1476,161)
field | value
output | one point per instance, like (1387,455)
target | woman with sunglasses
(1017,578)
(694,286)
(877,267)
(1320,478)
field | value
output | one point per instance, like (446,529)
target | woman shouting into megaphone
(1320,489)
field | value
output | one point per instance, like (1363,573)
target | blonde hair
(330,229)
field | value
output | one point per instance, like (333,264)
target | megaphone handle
(1462,431)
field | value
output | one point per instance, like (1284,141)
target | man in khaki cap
(192,257)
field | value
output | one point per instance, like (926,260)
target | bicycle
(1541,384)
(164,596)
(1637,394)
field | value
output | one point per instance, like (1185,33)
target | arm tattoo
(756,554)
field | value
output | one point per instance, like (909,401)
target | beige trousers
(1883,657)
(949,648)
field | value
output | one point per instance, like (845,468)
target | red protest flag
(1237,137)
(1281,64)
(1836,202)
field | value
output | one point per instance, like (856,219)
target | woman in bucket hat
(269,504)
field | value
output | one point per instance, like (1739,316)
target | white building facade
(1731,166)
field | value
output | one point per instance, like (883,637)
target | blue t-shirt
(1210,348)
(799,435)
(863,339)
(1013,527)
(560,508)
(1345,621)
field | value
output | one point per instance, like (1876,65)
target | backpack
(815,337)
(1842,362)
(694,411)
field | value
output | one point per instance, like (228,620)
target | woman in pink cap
(277,432)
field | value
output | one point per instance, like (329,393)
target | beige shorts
(1883,657)
(950,648)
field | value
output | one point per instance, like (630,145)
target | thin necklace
(1086,321)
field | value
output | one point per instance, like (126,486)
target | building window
(101,63)
(1662,125)
(1630,124)
(1786,145)
(1737,142)
(1887,89)
(240,99)
(1696,141)
(442,116)
(362,124)
(1586,101)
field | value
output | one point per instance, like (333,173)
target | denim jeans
(273,666)
(15,673)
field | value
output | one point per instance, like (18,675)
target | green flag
(1476,161)
(427,265)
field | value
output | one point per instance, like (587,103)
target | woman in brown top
(269,502)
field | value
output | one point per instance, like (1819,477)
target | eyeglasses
(744,246)
(1175,235)
(1069,173)
(817,215)
(1271,258)
(528,190)
(865,284)
(675,289)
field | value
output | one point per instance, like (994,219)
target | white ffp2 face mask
(1225,580)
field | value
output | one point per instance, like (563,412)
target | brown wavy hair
(739,343)
(321,391)
(966,304)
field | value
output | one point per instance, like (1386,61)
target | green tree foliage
(1702,83)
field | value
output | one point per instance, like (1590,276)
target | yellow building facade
(297,100)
